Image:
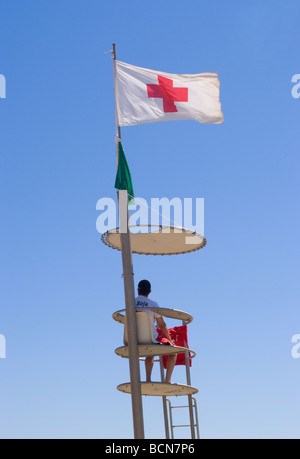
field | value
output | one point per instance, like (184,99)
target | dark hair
(144,287)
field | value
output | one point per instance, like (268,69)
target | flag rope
(154,211)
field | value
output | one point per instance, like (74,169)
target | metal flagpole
(128,276)
(164,399)
(188,379)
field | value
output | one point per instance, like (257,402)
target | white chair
(144,332)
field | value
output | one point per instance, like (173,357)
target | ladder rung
(182,425)
(180,406)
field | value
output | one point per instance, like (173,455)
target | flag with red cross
(149,96)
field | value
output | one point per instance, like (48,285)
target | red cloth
(161,337)
(179,336)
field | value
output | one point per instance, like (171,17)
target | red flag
(180,338)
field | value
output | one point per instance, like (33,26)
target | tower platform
(160,389)
(119,316)
(149,350)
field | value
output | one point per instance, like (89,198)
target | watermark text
(176,212)
(2,87)
(2,347)
(296,87)
(296,347)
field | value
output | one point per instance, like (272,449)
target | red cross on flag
(149,96)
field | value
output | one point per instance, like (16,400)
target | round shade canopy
(157,240)
(160,389)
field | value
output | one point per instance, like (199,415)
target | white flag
(149,96)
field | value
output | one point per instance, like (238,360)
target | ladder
(192,405)
(194,422)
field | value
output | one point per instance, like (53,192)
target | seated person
(160,335)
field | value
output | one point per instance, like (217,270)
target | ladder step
(182,425)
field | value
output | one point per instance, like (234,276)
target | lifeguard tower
(160,240)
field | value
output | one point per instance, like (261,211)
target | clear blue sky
(60,284)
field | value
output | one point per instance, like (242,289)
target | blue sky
(60,284)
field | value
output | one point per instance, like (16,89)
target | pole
(134,366)
(190,398)
(116,117)
(164,399)
(128,276)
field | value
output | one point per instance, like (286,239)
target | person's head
(144,288)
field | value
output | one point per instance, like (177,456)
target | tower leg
(164,399)
(190,398)
(134,364)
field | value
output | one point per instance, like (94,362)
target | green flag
(123,178)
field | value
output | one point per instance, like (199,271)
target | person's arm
(162,325)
